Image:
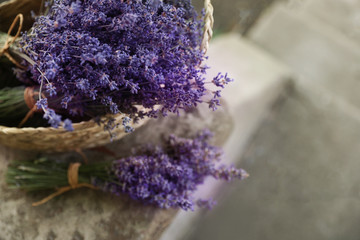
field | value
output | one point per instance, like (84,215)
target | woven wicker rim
(207,35)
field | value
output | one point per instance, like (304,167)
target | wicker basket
(86,134)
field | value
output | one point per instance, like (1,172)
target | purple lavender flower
(221,80)
(67,125)
(119,54)
(52,117)
(168,176)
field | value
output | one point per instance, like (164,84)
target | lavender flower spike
(168,176)
(117,54)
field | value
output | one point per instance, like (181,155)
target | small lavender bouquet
(165,175)
(110,56)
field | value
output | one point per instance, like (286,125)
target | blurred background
(296,106)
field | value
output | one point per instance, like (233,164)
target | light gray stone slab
(94,215)
(304,182)
(312,48)
(344,15)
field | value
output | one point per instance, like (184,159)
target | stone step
(304,182)
(343,15)
(311,48)
(259,81)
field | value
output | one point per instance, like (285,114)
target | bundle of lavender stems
(106,56)
(13,108)
(165,176)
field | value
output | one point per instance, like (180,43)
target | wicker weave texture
(86,134)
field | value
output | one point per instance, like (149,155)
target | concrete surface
(259,81)
(93,215)
(343,15)
(312,48)
(304,164)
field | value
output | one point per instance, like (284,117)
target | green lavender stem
(12,104)
(13,108)
(43,174)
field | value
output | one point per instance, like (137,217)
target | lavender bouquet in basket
(114,55)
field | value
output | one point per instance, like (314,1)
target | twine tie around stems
(73,179)
(10,40)
(29,94)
